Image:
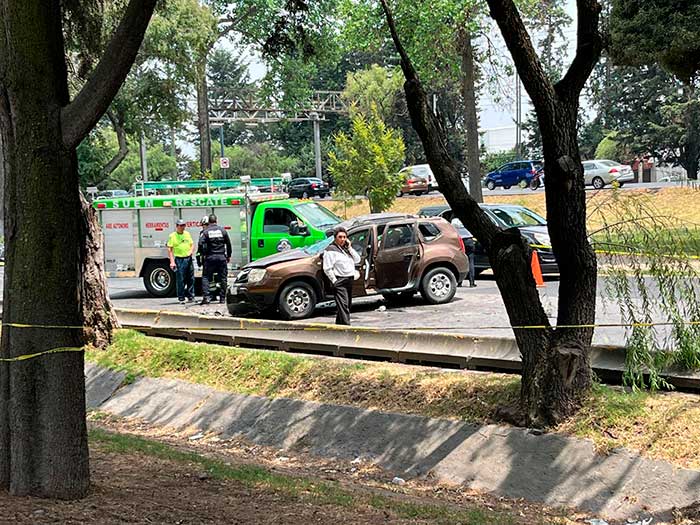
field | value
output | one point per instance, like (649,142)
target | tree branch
(81,115)
(589,44)
(530,70)
(118,125)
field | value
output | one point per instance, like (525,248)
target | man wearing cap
(180,249)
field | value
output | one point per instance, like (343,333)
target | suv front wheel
(438,286)
(297,301)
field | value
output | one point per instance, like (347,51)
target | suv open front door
(398,254)
(362,243)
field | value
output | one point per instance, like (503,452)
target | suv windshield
(316,215)
(517,217)
(319,246)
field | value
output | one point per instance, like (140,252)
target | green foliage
(652,277)
(610,148)
(160,166)
(650,110)
(255,160)
(492,161)
(367,161)
(94,152)
(645,32)
(377,88)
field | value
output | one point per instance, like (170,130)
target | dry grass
(680,203)
(661,426)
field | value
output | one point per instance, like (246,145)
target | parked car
(532,227)
(112,194)
(308,187)
(598,173)
(401,255)
(413,184)
(512,174)
(421,171)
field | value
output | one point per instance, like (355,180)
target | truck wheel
(159,280)
(297,301)
(491,185)
(438,286)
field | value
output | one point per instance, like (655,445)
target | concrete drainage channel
(402,346)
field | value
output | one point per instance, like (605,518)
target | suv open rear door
(398,255)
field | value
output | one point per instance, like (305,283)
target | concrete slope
(511,462)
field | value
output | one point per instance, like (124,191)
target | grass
(680,203)
(658,425)
(315,491)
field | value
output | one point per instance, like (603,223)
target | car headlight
(542,239)
(256,275)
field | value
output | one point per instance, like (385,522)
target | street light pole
(317,141)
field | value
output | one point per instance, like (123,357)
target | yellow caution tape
(24,357)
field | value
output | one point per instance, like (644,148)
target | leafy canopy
(367,161)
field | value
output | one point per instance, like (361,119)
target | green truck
(136,230)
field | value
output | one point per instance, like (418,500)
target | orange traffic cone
(536,270)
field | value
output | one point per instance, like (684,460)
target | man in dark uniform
(215,249)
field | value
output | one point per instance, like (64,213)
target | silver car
(598,173)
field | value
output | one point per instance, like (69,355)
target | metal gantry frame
(253,110)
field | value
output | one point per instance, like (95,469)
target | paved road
(477,311)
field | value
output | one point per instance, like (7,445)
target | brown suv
(401,255)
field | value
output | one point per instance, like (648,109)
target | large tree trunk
(560,374)
(555,363)
(99,319)
(43,437)
(690,159)
(203,117)
(471,120)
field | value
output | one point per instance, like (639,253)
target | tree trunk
(471,120)
(556,371)
(203,117)
(43,436)
(118,126)
(690,159)
(560,375)
(99,319)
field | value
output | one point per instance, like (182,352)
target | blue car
(512,174)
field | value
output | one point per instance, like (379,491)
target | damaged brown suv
(400,255)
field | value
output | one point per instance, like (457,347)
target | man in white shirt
(339,261)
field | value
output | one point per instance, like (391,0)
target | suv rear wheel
(297,301)
(438,286)
(159,279)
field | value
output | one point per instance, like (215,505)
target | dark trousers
(184,277)
(342,291)
(472,270)
(214,267)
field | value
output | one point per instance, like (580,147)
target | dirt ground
(138,488)
(134,487)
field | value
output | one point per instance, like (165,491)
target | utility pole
(142,154)
(317,142)
(223,153)
(518,118)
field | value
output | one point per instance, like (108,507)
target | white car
(422,171)
(598,173)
